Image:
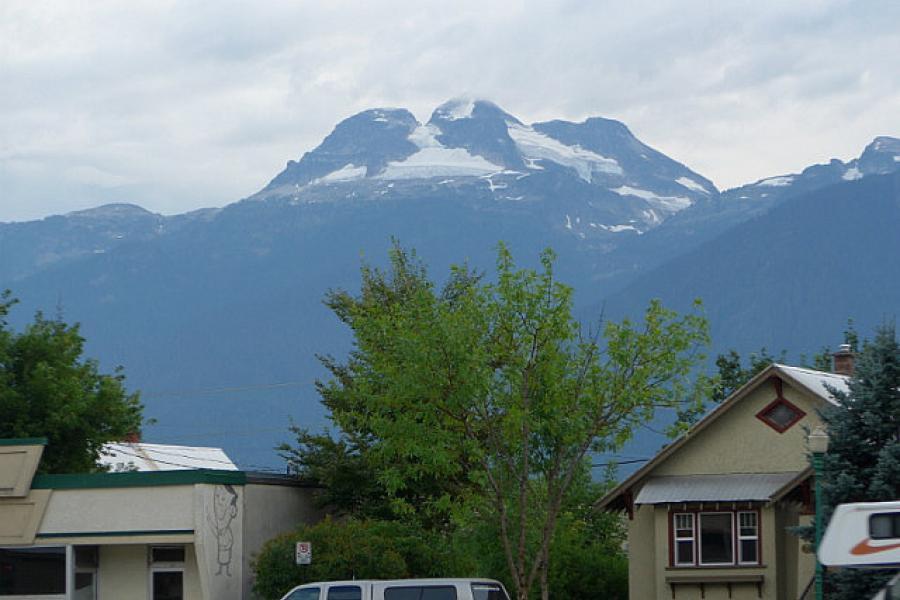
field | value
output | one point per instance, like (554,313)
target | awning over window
(714,488)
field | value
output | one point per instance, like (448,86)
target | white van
(400,589)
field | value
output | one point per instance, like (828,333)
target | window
(167,573)
(309,593)
(488,591)
(715,538)
(87,559)
(684,539)
(421,592)
(716,545)
(345,592)
(884,526)
(748,538)
(780,415)
(32,571)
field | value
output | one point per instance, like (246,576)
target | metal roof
(817,382)
(713,488)
(140,456)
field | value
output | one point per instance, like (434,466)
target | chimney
(843,361)
(133,437)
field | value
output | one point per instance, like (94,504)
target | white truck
(400,589)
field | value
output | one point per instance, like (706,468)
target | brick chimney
(843,360)
(133,437)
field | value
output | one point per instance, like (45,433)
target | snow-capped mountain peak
(594,177)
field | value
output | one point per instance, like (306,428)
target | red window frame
(735,537)
(780,399)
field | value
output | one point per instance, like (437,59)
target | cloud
(177,105)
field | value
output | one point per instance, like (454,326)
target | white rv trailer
(863,535)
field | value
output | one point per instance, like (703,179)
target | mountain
(217,315)
(791,277)
(593,178)
(710,217)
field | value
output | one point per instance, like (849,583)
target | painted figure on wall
(225,510)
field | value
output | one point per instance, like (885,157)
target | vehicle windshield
(488,591)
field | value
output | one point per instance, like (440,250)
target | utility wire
(620,462)
(220,390)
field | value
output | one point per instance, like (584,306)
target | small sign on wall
(303,554)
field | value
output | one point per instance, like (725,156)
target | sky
(181,105)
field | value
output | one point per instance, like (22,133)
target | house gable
(741,442)
(734,447)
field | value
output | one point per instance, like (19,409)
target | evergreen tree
(863,459)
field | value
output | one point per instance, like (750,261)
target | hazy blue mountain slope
(237,302)
(711,217)
(790,278)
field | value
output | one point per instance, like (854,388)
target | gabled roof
(816,383)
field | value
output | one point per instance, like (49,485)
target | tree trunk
(545,580)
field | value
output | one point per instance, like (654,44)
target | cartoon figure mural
(225,510)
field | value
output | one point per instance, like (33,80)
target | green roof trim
(157,532)
(75,481)
(38,441)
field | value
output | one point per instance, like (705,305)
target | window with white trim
(683,525)
(748,538)
(715,538)
(167,572)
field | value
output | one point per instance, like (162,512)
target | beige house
(184,534)
(708,516)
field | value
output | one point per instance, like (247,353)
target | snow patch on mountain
(536,146)
(348,172)
(425,136)
(458,108)
(851,174)
(691,185)
(436,160)
(439,161)
(667,203)
(617,228)
(780,181)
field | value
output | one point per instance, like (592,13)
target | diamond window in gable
(780,415)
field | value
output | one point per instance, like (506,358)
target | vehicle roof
(429,581)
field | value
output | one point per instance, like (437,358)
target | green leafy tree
(345,469)
(350,549)
(491,393)
(863,459)
(47,389)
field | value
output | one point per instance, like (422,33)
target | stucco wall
(270,510)
(738,442)
(641,544)
(107,510)
(124,573)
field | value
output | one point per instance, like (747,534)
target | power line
(221,390)
(619,462)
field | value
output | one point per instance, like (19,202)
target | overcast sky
(180,105)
